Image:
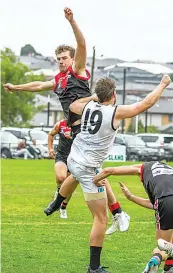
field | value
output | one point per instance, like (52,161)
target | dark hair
(63,48)
(104,89)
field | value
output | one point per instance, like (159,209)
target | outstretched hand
(125,190)
(9,87)
(68,14)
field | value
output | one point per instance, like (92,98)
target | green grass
(34,243)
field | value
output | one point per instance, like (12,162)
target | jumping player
(99,124)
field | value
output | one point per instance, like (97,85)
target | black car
(136,149)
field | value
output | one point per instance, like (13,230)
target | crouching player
(157,179)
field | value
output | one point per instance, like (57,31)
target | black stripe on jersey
(112,122)
(85,107)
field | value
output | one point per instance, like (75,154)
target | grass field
(34,243)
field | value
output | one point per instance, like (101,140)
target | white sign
(117,153)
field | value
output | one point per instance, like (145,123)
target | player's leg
(120,219)
(61,173)
(164,230)
(67,188)
(98,209)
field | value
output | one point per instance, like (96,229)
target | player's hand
(9,87)
(125,190)
(101,183)
(51,153)
(166,80)
(94,97)
(68,14)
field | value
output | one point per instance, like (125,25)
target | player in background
(157,179)
(60,156)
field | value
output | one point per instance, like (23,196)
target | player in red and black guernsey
(69,85)
(157,179)
(60,155)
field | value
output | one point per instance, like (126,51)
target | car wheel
(134,157)
(5,153)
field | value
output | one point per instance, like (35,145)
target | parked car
(159,141)
(169,151)
(9,144)
(29,134)
(136,149)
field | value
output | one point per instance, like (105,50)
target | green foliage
(141,128)
(28,49)
(17,108)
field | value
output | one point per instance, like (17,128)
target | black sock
(168,264)
(63,205)
(95,252)
(115,208)
(58,201)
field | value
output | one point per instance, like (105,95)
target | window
(149,138)
(168,139)
(170,117)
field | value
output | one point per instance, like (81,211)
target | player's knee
(60,178)
(102,219)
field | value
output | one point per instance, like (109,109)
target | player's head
(105,90)
(65,57)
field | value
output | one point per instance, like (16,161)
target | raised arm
(81,53)
(51,135)
(122,170)
(78,105)
(135,199)
(31,86)
(128,111)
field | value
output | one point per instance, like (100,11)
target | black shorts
(61,157)
(164,212)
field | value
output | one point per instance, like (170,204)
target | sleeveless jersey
(69,87)
(157,179)
(90,147)
(65,141)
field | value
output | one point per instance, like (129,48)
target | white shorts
(84,175)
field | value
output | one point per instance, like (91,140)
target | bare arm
(122,170)
(31,86)
(128,111)
(78,105)
(81,53)
(51,135)
(135,199)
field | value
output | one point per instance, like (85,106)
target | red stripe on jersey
(78,76)
(141,173)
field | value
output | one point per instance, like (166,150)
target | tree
(141,129)
(17,108)
(28,49)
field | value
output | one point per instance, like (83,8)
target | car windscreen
(134,141)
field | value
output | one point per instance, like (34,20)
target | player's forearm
(140,201)
(50,142)
(153,97)
(31,87)
(77,33)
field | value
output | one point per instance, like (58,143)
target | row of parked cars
(145,147)
(140,147)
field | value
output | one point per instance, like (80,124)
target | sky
(124,29)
